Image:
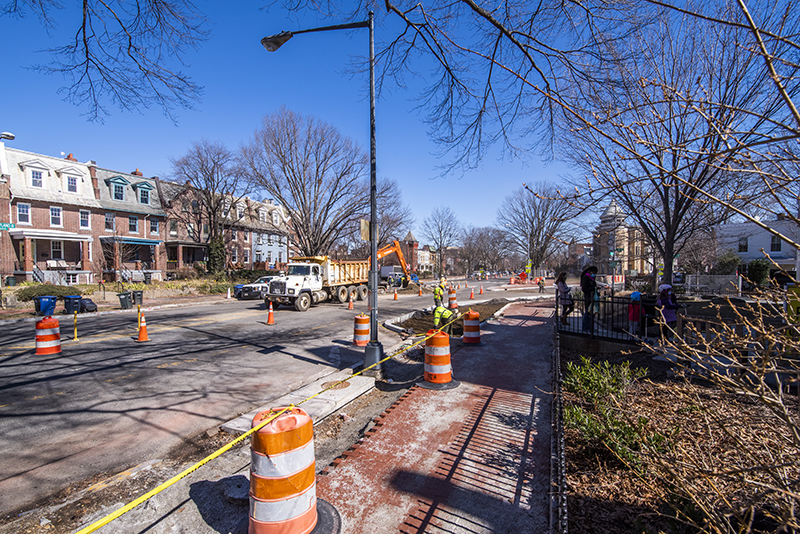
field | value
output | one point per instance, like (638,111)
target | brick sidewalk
(475,459)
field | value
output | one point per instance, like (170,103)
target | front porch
(129,259)
(52,256)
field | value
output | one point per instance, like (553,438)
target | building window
(57,250)
(205,229)
(269,256)
(144,196)
(235,255)
(36,179)
(280,257)
(258,256)
(71,279)
(269,239)
(119,192)
(153,226)
(246,236)
(276,219)
(55,216)
(24,213)
(742,244)
(775,244)
(246,256)
(234,234)
(72,184)
(262,215)
(173,228)
(110,222)
(191,231)
(85,216)
(88,251)
(239,211)
(133,224)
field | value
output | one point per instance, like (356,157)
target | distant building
(752,242)
(619,247)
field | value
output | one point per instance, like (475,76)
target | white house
(751,242)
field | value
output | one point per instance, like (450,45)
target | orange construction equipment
(270,315)
(283,490)
(350,304)
(481,291)
(438,373)
(143,331)
(472,327)
(361,330)
(472,293)
(48,336)
(453,304)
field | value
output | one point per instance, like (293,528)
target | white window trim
(30,214)
(158,225)
(80,212)
(52,248)
(77,185)
(61,217)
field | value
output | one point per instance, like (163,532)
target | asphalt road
(107,403)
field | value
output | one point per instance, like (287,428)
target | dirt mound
(421,322)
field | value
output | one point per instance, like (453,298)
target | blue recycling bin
(72,304)
(237,290)
(45,305)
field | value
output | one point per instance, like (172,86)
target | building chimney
(137,173)
(70,157)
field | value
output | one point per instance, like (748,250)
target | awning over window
(130,240)
(53,235)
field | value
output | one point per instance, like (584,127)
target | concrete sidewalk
(474,459)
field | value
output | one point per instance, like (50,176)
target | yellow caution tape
(155,491)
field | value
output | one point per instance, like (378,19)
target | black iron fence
(607,317)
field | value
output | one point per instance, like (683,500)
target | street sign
(7,226)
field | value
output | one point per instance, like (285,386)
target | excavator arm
(395,247)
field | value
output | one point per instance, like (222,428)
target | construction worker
(443,317)
(438,293)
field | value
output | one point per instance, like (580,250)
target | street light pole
(373,352)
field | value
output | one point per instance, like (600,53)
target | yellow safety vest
(441,316)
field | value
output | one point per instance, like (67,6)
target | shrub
(213,287)
(41,290)
(758,271)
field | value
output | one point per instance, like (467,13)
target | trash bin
(11,280)
(125,300)
(45,305)
(72,304)
(237,290)
(138,297)
(148,278)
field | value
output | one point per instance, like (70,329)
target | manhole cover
(338,385)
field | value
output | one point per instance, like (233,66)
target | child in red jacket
(635,313)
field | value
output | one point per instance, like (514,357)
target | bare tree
(484,248)
(124,54)
(313,170)
(535,222)
(443,229)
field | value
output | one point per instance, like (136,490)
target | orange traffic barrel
(438,373)
(453,302)
(472,327)
(283,496)
(48,336)
(361,330)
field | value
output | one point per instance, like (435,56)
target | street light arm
(273,42)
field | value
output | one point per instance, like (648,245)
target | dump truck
(314,279)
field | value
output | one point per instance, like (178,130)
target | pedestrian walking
(668,305)
(635,313)
(589,288)
(564,297)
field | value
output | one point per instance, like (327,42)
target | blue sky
(243,82)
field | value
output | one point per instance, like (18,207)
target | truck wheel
(302,302)
(341,294)
(362,292)
(352,293)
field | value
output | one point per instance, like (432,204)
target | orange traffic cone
(395,294)
(270,316)
(143,331)
(472,294)
(350,305)
(481,292)
(420,291)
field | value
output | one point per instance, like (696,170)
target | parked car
(255,290)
